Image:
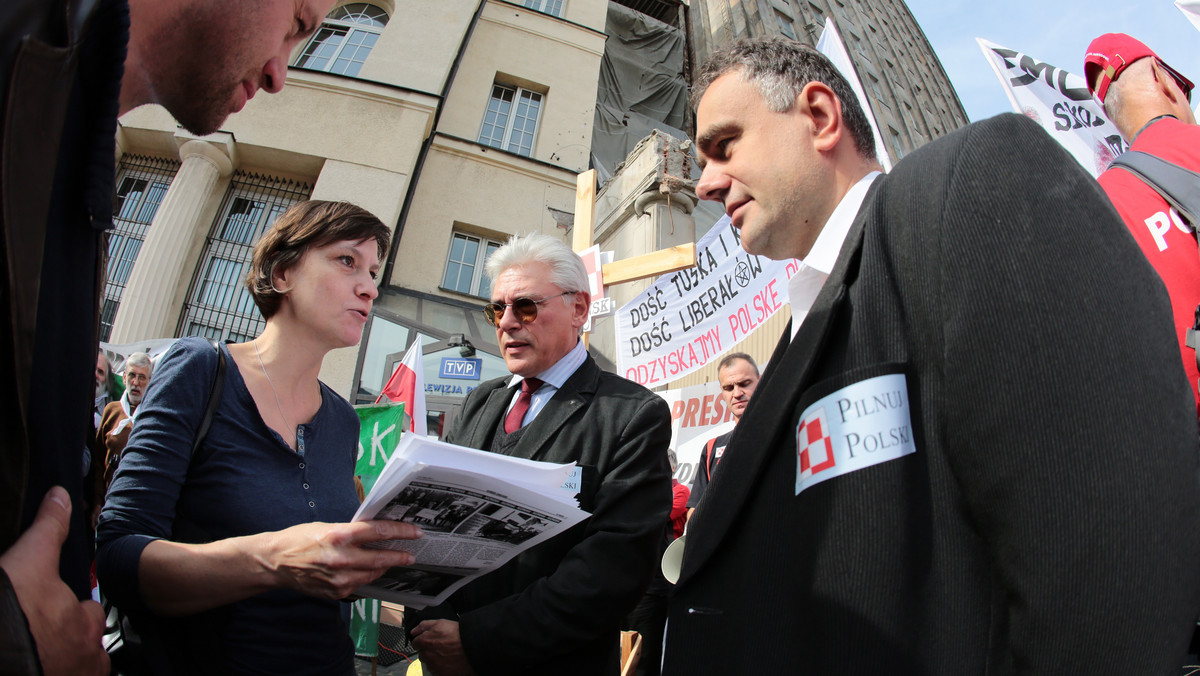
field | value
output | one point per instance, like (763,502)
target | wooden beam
(585,210)
(649,265)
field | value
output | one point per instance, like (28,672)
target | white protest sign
(697,414)
(831,46)
(690,317)
(1060,102)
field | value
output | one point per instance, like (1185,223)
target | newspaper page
(474,522)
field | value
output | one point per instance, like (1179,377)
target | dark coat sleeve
(1078,466)
(142,499)
(604,574)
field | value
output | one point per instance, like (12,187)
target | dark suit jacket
(556,609)
(1047,521)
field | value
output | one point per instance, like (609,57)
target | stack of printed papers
(478,511)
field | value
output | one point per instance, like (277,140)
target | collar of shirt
(806,283)
(1147,125)
(552,379)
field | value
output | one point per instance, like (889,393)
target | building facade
(460,123)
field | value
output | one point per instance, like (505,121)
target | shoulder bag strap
(708,452)
(1180,187)
(214,398)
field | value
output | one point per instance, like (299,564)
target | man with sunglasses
(557,608)
(1149,102)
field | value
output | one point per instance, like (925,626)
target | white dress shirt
(552,379)
(816,266)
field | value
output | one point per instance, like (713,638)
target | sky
(1054,31)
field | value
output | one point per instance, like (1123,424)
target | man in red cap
(1150,103)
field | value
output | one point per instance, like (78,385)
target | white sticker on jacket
(574,482)
(857,426)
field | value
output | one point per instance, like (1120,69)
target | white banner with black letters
(1059,101)
(690,317)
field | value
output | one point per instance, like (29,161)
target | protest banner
(690,317)
(380,427)
(1059,101)
(697,415)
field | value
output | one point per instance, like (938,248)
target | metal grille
(219,306)
(142,184)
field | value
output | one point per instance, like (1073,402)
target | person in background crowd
(245,539)
(103,384)
(116,423)
(1150,103)
(67,70)
(738,375)
(556,608)
(977,427)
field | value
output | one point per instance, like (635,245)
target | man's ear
(822,106)
(1166,83)
(581,304)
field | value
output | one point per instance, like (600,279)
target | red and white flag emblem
(813,444)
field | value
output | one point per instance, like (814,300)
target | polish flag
(407,386)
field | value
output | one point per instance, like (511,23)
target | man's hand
(67,631)
(441,648)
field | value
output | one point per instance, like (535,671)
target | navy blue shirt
(245,480)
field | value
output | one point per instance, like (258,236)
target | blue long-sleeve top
(244,480)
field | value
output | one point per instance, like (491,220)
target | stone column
(149,308)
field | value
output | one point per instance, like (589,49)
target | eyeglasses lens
(524,309)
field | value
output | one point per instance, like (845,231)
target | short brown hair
(736,356)
(307,225)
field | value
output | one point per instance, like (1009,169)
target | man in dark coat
(557,608)
(974,451)
(68,68)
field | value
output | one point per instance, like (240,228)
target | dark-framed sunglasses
(1184,84)
(525,309)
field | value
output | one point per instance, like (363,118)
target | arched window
(343,42)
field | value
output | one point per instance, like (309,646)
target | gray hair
(780,69)
(566,267)
(140,359)
(1132,82)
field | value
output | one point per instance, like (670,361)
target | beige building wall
(418,47)
(512,45)
(480,191)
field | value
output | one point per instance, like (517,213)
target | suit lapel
(488,419)
(575,393)
(788,374)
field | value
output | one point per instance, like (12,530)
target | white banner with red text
(690,317)
(697,415)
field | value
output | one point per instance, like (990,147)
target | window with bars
(785,24)
(511,119)
(552,7)
(142,183)
(219,306)
(464,265)
(345,39)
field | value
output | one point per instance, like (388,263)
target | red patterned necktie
(512,423)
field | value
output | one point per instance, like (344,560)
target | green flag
(380,428)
